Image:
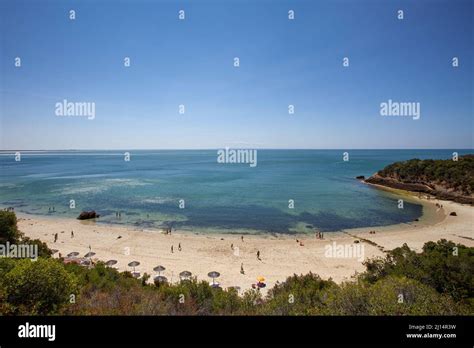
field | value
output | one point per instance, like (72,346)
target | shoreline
(424,219)
(421,188)
(281,255)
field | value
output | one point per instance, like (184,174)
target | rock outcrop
(88,215)
(427,188)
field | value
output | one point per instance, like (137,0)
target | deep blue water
(218,197)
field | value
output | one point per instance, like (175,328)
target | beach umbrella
(89,254)
(111,263)
(160,279)
(73,254)
(185,274)
(134,264)
(260,279)
(213,275)
(159,269)
(85,262)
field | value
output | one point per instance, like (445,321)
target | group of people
(56,236)
(118,214)
(319,235)
(179,247)
(51,209)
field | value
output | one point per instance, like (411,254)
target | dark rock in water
(453,213)
(360,177)
(88,215)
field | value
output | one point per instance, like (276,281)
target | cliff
(444,179)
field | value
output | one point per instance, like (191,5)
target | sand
(281,256)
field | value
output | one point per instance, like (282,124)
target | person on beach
(242,237)
(172,250)
(55,237)
(242,268)
(258,255)
(232,246)
(72,234)
(179,246)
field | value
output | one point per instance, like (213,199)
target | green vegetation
(444,266)
(448,174)
(437,281)
(8,230)
(10,233)
(35,287)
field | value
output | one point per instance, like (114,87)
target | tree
(445,266)
(9,233)
(403,296)
(36,287)
(8,230)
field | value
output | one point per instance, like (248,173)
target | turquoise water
(229,198)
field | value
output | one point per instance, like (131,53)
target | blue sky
(190,62)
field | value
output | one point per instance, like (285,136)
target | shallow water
(226,198)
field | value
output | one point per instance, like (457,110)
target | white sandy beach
(281,256)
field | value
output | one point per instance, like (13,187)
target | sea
(286,192)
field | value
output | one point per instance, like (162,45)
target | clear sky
(190,62)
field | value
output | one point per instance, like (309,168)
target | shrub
(444,266)
(36,287)
(8,229)
(299,295)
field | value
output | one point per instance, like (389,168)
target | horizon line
(229,147)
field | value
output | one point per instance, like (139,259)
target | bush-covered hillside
(438,281)
(452,175)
